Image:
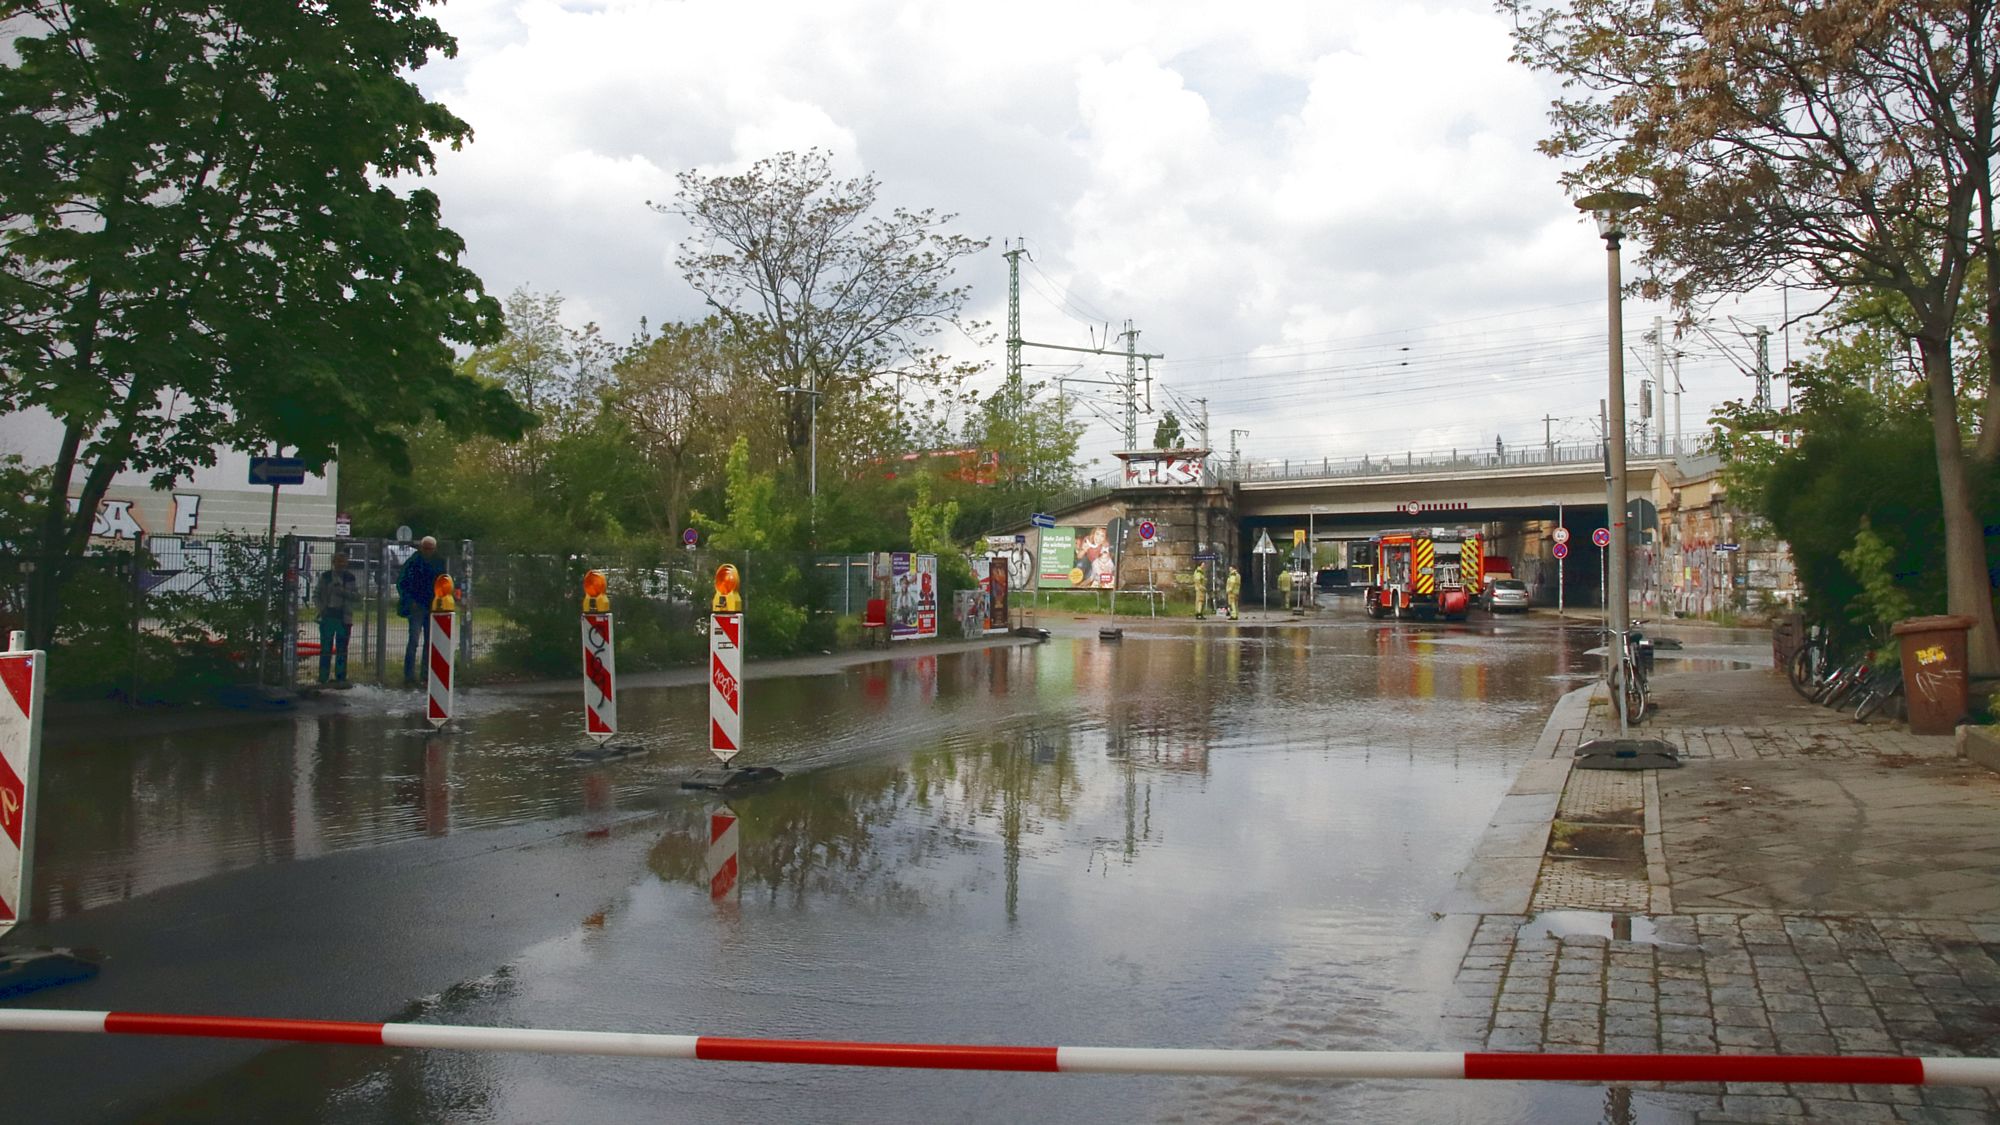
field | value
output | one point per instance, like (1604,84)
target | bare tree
(669,390)
(1846,143)
(821,290)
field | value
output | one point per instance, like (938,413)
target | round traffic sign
(1561,536)
(1147,530)
(1413,507)
(1601,537)
(689,536)
(1560,550)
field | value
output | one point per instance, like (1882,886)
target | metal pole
(1560,612)
(271,574)
(1614,437)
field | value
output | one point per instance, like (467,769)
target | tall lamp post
(1610,209)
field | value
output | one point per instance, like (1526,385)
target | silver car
(1504,594)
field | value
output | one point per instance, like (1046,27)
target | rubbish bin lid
(1941,623)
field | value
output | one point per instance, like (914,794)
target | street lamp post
(1610,209)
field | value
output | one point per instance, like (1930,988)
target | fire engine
(1425,572)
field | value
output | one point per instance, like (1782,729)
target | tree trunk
(1968,589)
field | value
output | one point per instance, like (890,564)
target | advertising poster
(913,596)
(997,585)
(1079,558)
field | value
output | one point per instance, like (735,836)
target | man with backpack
(415,588)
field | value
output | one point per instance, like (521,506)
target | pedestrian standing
(1234,588)
(415,588)
(335,598)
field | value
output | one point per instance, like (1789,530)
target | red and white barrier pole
(725,666)
(444,654)
(1859,1070)
(600,666)
(23,674)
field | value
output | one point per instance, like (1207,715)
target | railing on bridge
(1449,461)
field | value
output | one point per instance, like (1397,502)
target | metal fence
(1454,460)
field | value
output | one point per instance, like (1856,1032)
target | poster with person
(1080,558)
(913,596)
(997,583)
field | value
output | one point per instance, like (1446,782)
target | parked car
(1503,594)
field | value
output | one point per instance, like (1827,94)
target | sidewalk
(1803,884)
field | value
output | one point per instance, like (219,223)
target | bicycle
(1884,685)
(1810,666)
(1631,673)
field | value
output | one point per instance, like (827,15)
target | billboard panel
(913,596)
(1079,558)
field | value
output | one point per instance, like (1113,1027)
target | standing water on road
(1231,836)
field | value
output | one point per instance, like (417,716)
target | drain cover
(1627,754)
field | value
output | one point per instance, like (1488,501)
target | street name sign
(1042,519)
(271,471)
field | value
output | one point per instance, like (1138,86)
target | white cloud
(1285,179)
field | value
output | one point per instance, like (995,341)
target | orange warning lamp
(727,582)
(595,600)
(441,599)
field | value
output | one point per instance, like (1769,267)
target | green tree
(197,247)
(1167,435)
(1847,145)
(823,292)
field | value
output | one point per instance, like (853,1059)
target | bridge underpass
(1514,506)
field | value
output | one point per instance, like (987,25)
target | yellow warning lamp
(441,599)
(727,582)
(595,600)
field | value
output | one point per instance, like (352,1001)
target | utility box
(1933,650)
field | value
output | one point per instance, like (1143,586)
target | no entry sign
(725,684)
(21,678)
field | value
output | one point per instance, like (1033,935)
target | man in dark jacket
(415,587)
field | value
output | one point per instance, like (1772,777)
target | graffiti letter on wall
(116,521)
(187,512)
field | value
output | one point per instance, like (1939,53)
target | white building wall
(212,500)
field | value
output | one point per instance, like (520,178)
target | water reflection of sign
(913,596)
(21,678)
(719,864)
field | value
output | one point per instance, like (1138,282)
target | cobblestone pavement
(1802,885)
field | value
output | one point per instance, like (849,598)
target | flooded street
(1232,836)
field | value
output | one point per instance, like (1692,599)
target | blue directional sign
(1205,556)
(277,470)
(1729,546)
(1042,519)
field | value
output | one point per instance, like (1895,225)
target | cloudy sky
(1330,218)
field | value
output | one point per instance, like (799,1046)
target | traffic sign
(1729,546)
(1601,537)
(1147,531)
(270,471)
(1042,519)
(1206,556)
(1560,550)
(22,676)
(690,536)
(725,679)
(1263,546)
(1561,535)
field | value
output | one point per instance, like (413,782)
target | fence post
(466,601)
(138,610)
(381,549)
(289,548)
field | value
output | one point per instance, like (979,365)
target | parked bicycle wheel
(1887,686)
(1807,669)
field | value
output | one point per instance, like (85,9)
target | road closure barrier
(1862,1070)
